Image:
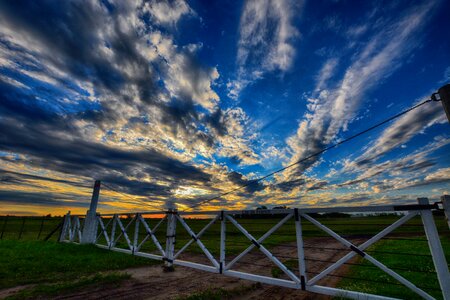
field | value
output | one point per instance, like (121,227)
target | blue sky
(181,101)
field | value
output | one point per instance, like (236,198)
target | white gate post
(170,239)
(446,204)
(300,249)
(90,222)
(437,253)
(222,241)
(65,227)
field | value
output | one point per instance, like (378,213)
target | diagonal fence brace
(260,240)
(151,234)
(103,229)
(265,251)
(197,237)
(360,250)
(197,240)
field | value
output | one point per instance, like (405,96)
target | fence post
(136,232)
(40,228)
(4,227)
(300,249)
(21,228)
(222,241)
(90,222)
(65,226)
(437,253)
(446,204)
(170,239)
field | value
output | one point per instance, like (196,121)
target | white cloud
(406,171)
(326,73)
(235,143)
(184,76)
(266,36)
(403,130)
(167,12)
(334,109)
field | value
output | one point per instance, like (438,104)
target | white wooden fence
(110,228)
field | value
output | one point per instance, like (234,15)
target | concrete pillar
(90,222)
(446,204)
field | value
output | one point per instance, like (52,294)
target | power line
(127,196)
(316,153)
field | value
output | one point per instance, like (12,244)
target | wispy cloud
(266,37)
(332,110)
(167,12)
(402,131)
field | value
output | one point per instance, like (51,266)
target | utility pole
(444,94)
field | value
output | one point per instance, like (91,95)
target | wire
(127,196)
(312,155)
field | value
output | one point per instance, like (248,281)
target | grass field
(35,262)
(27,262)
(418,269)
(237,242)
(28,228)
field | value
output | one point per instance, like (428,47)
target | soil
(152,282)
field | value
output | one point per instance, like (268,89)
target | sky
(176,102)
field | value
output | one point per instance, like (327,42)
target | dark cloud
(217,123)
(46,199)
(72,30)
(318,185)
(10,177)
(50,142)
(418,166)
(287,186)
(71,36)
(251,186)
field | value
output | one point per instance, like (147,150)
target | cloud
(326,73)
(50,142)
(395,174)
(167,12)
(240,180)
(232,130)
(403,130)
(186,78)
(266,37)
(102,85)
(330,111)
(440,176)
(8,177)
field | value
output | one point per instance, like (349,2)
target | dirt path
(152,283)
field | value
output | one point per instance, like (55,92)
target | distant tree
(280,207)
(49,215)
(261,207)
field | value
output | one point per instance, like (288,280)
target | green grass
(48,290)
(29,262)
(419,270)
(237,242)
(34,228)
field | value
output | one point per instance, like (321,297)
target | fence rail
(134,233)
